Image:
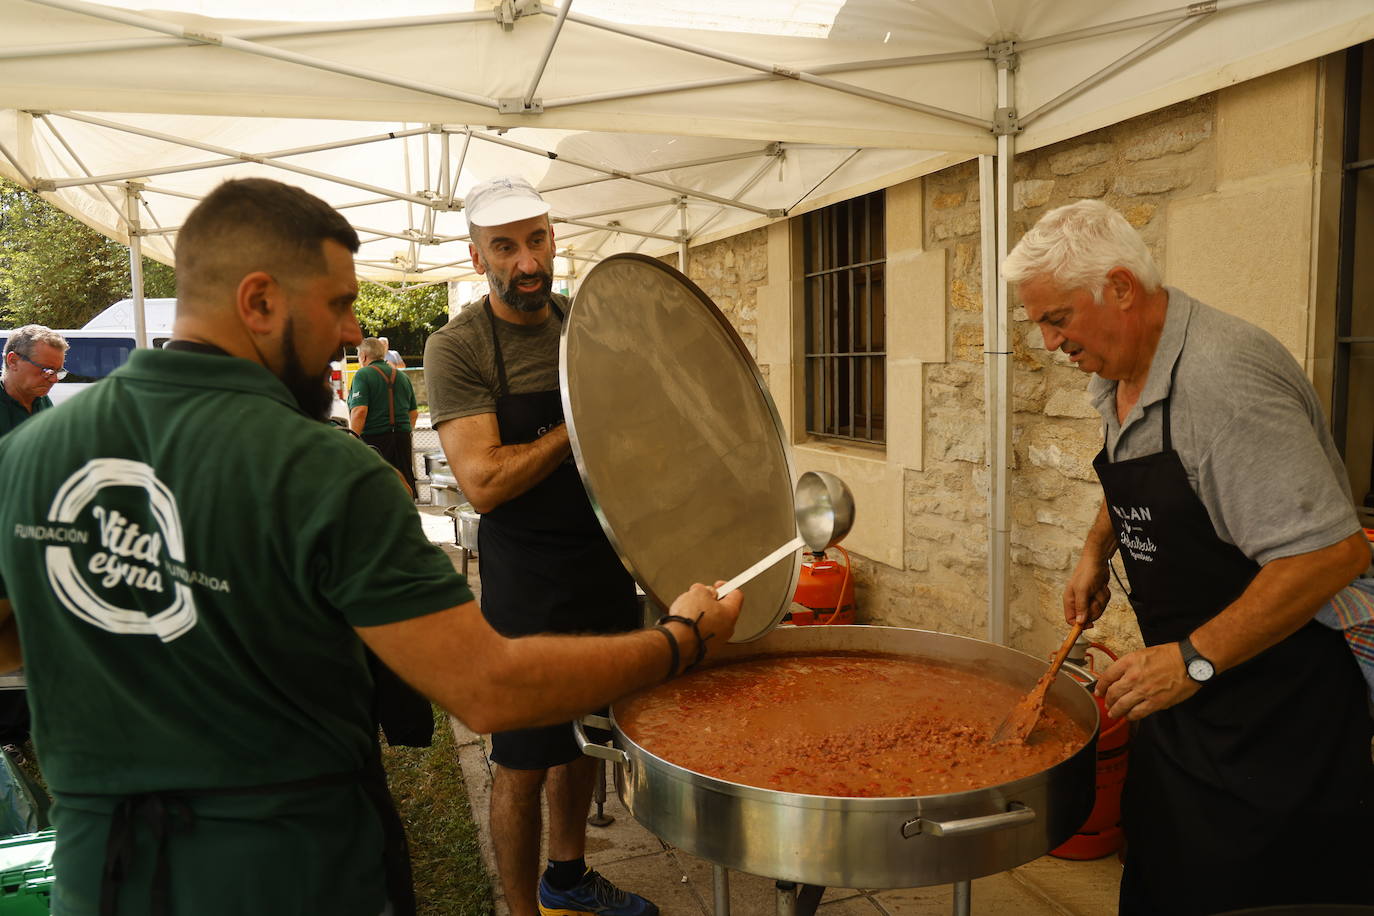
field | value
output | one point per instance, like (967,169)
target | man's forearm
(357,419)
(1283,596)
(1101,543)
(494,475)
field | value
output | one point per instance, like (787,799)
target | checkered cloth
(1352,611)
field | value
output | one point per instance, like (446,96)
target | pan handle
(1085,677)
(1015,815)
(590,748)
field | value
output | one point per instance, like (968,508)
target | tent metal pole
(628,176)
(1136,22)
(1121,63)
(458,172)
(14,163)
(135,263)
(528,98)
(445,183)
(235,156)
(52,128)
(744,189)
(610,228)
(997,353)
(249,47)
(263,34)
(689,86)
(649,206)
(691,163)
(682,236)
(776,70)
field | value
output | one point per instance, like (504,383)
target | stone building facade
(1232,193)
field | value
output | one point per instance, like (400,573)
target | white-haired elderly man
(34,360)
(1250,781)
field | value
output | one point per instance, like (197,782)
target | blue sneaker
(592,895)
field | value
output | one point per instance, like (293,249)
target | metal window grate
(1354,317)
(844,272)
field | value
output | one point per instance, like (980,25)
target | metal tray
(676,437)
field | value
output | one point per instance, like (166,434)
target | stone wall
(1244,153)
(730,272)
(1137,167)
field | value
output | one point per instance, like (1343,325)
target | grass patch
(427,784)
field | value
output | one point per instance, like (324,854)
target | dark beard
(311,392)
(523,302)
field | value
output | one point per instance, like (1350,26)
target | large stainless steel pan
(869,842)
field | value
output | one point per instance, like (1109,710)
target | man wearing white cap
(545,565)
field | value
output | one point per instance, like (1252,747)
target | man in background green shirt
(382,408)
(34,357)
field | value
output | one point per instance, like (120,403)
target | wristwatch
(1199,668)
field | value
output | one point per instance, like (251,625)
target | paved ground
(682,884)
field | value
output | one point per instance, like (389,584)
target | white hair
(22,340)
(1076,245)
(372,347)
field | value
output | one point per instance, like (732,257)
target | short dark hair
(251,224)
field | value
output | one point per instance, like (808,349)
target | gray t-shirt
(1247,427)
(460,366)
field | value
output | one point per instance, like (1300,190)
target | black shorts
(541,748)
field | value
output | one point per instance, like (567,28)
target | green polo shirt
(12,413)
(369,390)
(178,555)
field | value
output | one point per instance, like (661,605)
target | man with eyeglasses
(33,364)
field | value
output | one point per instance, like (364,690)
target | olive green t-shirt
(460,365)
(369,390)
(181,561)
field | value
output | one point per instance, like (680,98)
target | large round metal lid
(676,438)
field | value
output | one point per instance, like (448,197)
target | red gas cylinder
(823,586)
(1101,834)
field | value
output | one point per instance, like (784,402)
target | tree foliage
(405,316)
(57,271)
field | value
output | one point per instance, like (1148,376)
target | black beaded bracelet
(676,654)
(695,624)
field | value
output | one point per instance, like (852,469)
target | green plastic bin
(26,874)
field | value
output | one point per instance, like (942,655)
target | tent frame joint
(1005,55)
(1005,122)
(520,106)
(507,11)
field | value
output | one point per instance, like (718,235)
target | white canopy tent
(649,124)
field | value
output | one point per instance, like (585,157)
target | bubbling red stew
(843,724)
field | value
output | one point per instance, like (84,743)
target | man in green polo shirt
(33,364)
(34,357)
(382,408)
(176,549)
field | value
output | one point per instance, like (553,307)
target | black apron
(545,564)
(1257,789)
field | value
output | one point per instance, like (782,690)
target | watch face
(1200,669)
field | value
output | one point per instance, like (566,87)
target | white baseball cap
(498,201)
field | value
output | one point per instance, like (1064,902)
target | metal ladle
(825,513)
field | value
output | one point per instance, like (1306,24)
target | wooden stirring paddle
(1024,717)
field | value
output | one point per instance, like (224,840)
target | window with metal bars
(844,254)
(1352,402)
